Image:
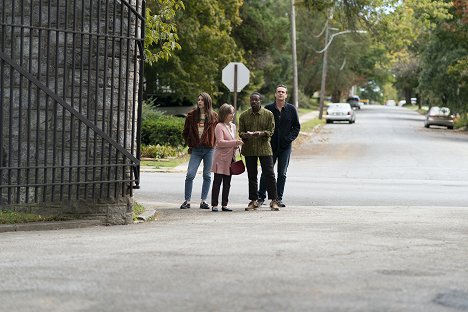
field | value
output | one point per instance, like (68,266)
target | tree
(353,59)
(204,30)
(406,70)
(264,36)
(405,29)
(161,31)
(444,58)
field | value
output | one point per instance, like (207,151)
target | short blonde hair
(224,111)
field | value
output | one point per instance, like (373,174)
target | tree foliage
(161,37)
(205,37)
(406,68)
(264,36)
(443,77)
(419,46)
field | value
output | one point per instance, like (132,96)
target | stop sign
(243,76)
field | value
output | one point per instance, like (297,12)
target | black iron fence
(70,97)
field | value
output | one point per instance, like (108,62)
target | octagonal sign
(243,76)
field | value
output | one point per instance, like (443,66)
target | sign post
(235,77)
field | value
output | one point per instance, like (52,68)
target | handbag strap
(239,151)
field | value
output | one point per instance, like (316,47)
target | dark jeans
(226,180)
(266,162)
(282,157)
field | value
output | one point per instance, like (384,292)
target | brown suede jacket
(190,133)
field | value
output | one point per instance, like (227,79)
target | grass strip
(138,209)
(13,217)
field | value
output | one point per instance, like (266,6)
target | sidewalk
(59,225)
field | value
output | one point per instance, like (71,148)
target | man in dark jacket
(287,129)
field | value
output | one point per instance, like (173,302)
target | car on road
(340,112)
(439,116)
(354,101)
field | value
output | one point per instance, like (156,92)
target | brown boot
(252,205)
(274,205)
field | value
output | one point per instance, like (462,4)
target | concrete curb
(47,226)
(146,215)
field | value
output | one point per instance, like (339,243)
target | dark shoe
(204,206)
(252,205)
(274,205)
(226,209)
(260,202)
(280,203)
(214,209)
(185,205)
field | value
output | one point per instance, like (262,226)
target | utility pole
(294,56)
(328,41)
(324,74)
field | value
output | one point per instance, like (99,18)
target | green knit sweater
(263,121)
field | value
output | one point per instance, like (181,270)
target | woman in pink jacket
(224,154)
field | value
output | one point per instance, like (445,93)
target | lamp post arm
(324,65)
(337,34)
(323,30)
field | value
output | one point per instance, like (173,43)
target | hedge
(161,151)
(163,130)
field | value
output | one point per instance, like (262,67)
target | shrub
(161,152)
(306,101)
(461,121)
(162,130)
(149,112)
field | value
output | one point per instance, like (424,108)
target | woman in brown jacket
(200,137)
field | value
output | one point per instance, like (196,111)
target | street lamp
(324,63)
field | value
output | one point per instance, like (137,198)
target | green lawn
(311,124)
(415,108)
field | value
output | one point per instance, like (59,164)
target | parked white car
(340,112)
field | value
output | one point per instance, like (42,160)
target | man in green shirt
(256,127)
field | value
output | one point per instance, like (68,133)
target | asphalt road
(334,251)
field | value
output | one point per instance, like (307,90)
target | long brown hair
(208,107)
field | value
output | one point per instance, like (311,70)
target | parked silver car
(340,112)
(439,116)
(354,101)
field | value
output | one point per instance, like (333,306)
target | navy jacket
(287,126)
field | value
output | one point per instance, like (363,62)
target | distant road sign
(243,76)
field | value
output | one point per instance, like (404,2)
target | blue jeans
(198,154)
(282,157)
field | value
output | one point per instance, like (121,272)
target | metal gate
(70,97)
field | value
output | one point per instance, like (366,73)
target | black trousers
(218,179)
(266,162)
